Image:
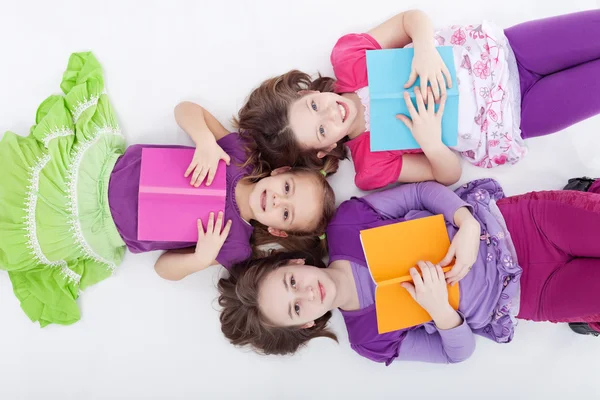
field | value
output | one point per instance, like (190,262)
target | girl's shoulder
(349,61)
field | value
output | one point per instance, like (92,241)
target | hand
(205,162)
(428,65)
(465,247)
(430,290)
(425,124)
(210,243)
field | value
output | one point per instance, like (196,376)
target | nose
(332,112)
(278,200)
(308,294)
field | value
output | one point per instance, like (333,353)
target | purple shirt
(123,191)
(487,291)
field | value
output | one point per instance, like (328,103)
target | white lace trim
(72,177)
(81,106)
(32,240)
(57,132)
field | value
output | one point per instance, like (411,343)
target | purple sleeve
(233,252)
(431,196)
(438,346)
(233,145)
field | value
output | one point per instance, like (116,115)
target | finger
(440,110)
(430,102)
(225,157)
(448,258)
(219,223)
(211,175)
(419,97)
(447,76)
(440,273)
(196,175)
(411,79)
(210,225)
(200,229)
(407,121)
(417,281)
(436,91)
(442,84)
(226,230)
(455,271)
(423,84)
(426,273)
(189,170)
(409,104)
(409,288)
(201,176)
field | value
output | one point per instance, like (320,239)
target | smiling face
(286,201)
(296,295)
(320,120)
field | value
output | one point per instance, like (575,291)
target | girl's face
(296,295)
(287,201)
(320,120)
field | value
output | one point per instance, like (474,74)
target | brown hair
(242,321)
(264,120)
(299,240)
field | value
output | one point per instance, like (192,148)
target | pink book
(169,206)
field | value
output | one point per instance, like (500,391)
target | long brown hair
(310,239)
(242,321)
(264,120)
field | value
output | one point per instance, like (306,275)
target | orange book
(391,251)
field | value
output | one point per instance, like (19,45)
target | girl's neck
(242,198)
(359,125)
(347,296)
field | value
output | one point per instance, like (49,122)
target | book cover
(388,71)
(391,251)
(168,206)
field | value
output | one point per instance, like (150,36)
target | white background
(144,338)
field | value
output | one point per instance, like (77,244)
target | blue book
(388,71)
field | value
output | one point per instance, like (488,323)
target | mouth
(344,111)
(263,200)
(322,292)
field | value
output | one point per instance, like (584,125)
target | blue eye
(322,130)
(313,105)
(286,214)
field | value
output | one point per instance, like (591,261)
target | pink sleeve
(349,61)
(374,170)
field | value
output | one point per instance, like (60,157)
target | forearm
(196,122)
(445,164)
(419,27)
(176,265)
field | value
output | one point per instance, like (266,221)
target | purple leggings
(556,237)
(559,67)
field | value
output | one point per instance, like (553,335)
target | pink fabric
(555,234)
(349,61)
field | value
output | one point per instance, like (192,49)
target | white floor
(144,338)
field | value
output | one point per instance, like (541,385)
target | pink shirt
(373,169)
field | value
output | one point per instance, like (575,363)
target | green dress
(57,233)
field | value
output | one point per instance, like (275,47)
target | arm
(430,196)
(404,28)
(437,163)
(442,346)
(175,265)
(198,123)
(205,130)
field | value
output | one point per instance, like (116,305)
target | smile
(343,108)
(263,200)
(322,292)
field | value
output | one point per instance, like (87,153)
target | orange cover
(391,251)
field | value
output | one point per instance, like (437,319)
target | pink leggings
(557,239)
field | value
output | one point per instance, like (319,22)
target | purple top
(487,292)
(123,191)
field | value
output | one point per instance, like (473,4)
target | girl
(533,256)
(68,199)
(513,85)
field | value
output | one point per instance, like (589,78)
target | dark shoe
(580,184)
(583,329)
